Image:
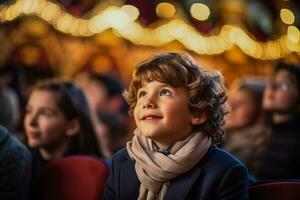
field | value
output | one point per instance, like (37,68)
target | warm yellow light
(115,18)
(200,11)
(73,29)
(162,34)
(290,45)
(65,22)
(225,33)
(50,11)
(293,34)
(258,51)
(287,16)
(236,35)
(96,24)
(193,43)
(27,6)
(112,17)
(11,13)
(272,50)
(165,10)
(83,28)
(132,11)
(177,29)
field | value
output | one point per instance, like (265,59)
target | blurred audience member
(246,130)
(15,171)
(111,132)
(282,99)
(108,108)
(9,102)
(105,94)
(57,122)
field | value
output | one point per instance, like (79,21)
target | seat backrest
(275,190)
(71,178)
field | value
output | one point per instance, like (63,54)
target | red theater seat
(71,178)
(275,190)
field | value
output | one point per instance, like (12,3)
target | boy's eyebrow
(165,85)
(161,85)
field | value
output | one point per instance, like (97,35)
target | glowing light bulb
(165,10)
(200,11)
(287,16)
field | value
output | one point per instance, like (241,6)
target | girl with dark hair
(246,126)
(280,159)
(57,122)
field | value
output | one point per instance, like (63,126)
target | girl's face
(281,95)
(243,110)
(162,114)
(45,124)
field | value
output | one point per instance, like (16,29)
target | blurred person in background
(111,132)
(105,94)
(57,123)
(15,167)
(9,103)
(245,124)
(108,109)
(280,159)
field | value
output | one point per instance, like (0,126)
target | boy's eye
(142,94)
(165,92)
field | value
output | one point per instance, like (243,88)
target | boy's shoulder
(217,158)
(121,156)
(223,156)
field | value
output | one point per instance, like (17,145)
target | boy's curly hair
(206,90)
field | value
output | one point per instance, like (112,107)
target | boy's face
(282,94)
(162,114)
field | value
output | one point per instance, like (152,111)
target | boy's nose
(149,105)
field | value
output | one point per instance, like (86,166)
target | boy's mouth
(151,117)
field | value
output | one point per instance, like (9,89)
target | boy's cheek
(135,115)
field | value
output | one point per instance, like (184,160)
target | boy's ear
(73,127)
(198,119)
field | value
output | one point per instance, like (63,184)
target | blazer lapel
(181,186)
(129,182)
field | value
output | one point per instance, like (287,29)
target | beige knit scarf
(155,170)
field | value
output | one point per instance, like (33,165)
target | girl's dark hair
(72,102)
(206,90)
(293,69)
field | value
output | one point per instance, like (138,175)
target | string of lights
(123,21)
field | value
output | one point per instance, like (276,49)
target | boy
(178,109)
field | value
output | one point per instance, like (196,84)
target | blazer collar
(129,182)
(178,189)
(180,186)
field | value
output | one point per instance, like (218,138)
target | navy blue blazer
(217,176)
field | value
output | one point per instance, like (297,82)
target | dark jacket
(280,160)
(217,176)
(15,171)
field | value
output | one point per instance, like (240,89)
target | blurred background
(97,44)
(63,37)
